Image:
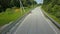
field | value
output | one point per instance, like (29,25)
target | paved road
(35,23)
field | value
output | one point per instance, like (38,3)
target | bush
(49,7)
(56,11)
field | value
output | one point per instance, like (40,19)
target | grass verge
(11,14)
(53,17)
(56,19)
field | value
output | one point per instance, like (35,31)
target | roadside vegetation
(11,14)
(10,10)
(52,7)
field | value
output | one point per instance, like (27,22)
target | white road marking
(48,22)
(24,20)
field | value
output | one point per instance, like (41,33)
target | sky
(39,1)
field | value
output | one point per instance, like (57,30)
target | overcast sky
(39,1)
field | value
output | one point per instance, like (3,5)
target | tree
(11,3)
(4,4)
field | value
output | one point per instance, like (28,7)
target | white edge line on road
(48,22)
(24,20)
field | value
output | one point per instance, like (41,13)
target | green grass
(11,14)
(56,19)
(53,17)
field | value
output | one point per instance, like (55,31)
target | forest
(4,4)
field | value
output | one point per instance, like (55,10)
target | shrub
(56,10)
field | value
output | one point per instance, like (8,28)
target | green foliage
(46,1)
(28,2)
(14,3)
(58,2)
(52,7)
(56,11)
(11,14)
(11,3)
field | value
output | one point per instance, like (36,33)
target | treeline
(52,7)
(4,4)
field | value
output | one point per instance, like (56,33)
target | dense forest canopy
(11,3)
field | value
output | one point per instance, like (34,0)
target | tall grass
(11,14)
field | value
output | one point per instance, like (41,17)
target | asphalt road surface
(36,23)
